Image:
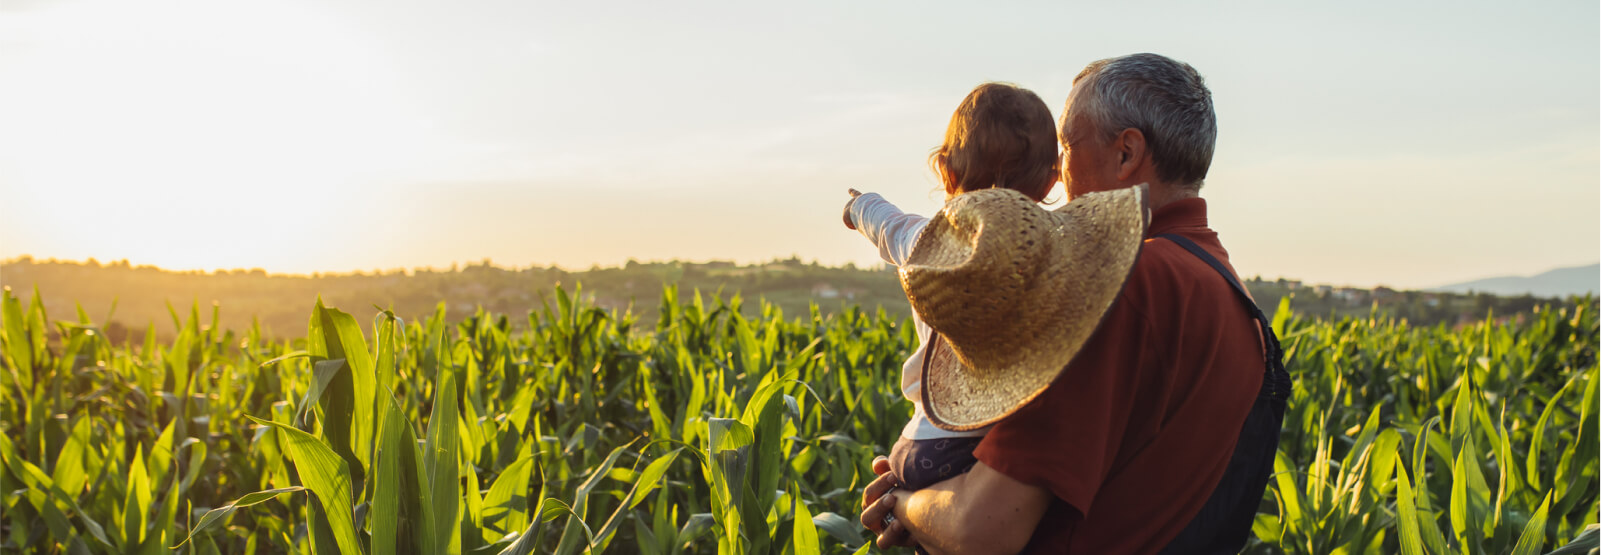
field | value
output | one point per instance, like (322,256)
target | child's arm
(885,226)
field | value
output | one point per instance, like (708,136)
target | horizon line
(458,266)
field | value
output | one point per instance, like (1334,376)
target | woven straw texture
(1015,290)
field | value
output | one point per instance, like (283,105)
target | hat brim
(971,390)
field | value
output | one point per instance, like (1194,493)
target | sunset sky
(1360,143)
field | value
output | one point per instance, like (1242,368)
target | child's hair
(1001,136)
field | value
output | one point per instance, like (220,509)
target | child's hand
(848,223)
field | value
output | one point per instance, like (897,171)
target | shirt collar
(1187,213)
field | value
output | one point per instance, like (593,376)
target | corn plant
(718,427)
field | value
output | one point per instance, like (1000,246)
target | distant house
(1350,295)
(1325,289)
(824,290)
(1293,284)
(1383,294)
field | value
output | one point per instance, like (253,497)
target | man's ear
(1131,152)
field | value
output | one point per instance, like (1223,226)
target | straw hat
(1015,291)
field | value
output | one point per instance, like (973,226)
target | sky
(1360,143)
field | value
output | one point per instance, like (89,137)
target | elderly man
(1160,434)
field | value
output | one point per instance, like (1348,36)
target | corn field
(709,431)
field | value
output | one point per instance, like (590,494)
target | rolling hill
(1561,282)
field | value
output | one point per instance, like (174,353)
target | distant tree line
(143,295)
(127,300)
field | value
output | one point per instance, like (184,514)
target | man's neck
(1163,194)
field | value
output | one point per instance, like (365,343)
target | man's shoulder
(1151,281)
(1161,268)
(1166,276)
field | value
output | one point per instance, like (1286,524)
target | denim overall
(1224,523)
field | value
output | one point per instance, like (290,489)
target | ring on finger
(889,518)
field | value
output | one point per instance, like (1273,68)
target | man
(1159,435)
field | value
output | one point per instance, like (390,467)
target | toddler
(1000,136)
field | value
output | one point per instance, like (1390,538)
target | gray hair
(1163,98)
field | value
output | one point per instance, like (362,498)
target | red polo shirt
(1136,432)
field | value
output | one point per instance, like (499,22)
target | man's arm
(981,511)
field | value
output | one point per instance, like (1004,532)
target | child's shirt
(894,233)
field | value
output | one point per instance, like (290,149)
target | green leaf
(440,461)
(333,334)
(399,501)
(1582,545)
(805,535)
(644,538)
(472,512)
(569,537)
(165,530)
(506,506)
(1537,438)
(43,494)
(324,473)
(1579,458)
(847,531)
(766,457)
(727,434)
(840,439)
(1384,459)
(528,541)
(1470,499)
(1411,538)
(1292,497)
(283,357)
(728,442)
(19,342)
(1433,539)
(696,525)
(1533,537)
(160,457)
(642,484)
(134,520)
(752,521)
(70,474)
(323,373)
(218,514)
(1462,414)
(652,475)
(196,464)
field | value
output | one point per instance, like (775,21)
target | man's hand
(878,501)
(980,511)
(848,223)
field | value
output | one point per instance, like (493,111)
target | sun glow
(177,116)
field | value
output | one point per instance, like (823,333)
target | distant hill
(1560,282)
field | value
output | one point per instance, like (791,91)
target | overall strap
(1276,380)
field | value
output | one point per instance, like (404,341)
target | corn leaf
(220,514)
(1533,537)
(440,460)
(324,473)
